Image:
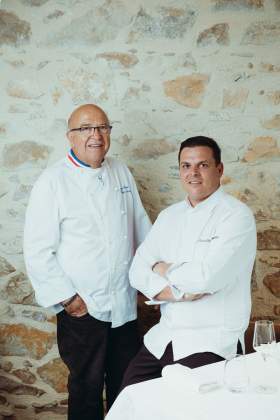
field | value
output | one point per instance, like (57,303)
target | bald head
(89,134)
(86,111)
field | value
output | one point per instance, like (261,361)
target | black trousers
(146,366)
(92,350)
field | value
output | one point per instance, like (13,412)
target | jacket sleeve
(141,275)
(232,248)
(41,241)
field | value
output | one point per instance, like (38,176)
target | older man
(197,261)
(84,222)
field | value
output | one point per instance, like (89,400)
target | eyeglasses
(102,129)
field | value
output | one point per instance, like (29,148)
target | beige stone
(19,290)
(21,340)
(262,147)
(16,154)
(152,149)
(274,97)
(239,4)
(13,387)
(55,374)
(273,123)
(5,267)
(270,68)
(187,90)
(126,60)
(235,98)
(272,282)
(226,180)
(269,239)
(276,310)
(217,34)
(13,30)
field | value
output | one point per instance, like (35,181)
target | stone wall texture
(163,71)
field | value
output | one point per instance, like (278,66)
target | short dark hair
(202,141)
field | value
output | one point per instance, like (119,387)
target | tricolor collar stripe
(77,162)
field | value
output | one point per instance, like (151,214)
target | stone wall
(163,70)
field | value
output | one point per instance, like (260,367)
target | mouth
(194,182)
(95,145)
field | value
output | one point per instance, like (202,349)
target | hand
(161,268)
(189,297)
(77,308)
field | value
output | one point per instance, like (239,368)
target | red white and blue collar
(75,161)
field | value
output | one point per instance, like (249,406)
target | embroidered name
(125,189)
(208,240)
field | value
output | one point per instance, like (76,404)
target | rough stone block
(21,340)
(55,374)
(152,149)
(187,90)
(168,22)
(238,4)
(13,30)
(217,34)
(262,33)
(235,98)
(273,123)
(262,147)
(15,155)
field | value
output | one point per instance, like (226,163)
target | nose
(95,131)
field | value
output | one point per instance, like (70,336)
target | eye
(85,130)
(204,165)
(185,165)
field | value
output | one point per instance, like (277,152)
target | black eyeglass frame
(108,128)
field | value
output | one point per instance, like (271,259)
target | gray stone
(5,267)
(22,192)
(24,89)
(111,18)
(13,31)
(262,33)
(13,387)
(34,2)
(54,15)
(168,22)
(238,4)
(19,290)
(36,315)
(217,34)
(15,155)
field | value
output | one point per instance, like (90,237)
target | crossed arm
(161,268)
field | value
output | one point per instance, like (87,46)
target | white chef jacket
(212,248)
(82,228)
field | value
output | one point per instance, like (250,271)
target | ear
(70,137)
(221,168)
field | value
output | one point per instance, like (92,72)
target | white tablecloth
(158,400)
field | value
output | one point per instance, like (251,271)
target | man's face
(199,173)
(90,145)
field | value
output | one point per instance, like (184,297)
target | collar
(207,204)
(75,161)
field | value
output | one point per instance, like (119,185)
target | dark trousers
(146,366)
(92,350)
